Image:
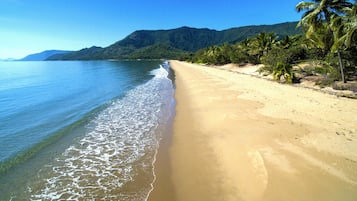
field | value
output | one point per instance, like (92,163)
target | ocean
(82,130)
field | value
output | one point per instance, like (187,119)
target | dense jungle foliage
(329,41)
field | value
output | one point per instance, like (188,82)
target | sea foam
(115,159)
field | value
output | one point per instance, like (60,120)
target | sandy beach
(239,137)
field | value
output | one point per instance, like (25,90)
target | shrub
(290,56)
(331,77)
(283,70)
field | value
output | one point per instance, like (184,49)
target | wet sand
(163,186)
(238,137)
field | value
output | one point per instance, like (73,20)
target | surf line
(153,167)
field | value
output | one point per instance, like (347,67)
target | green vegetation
(330,25)
(173,44)
(278,55)
(158,50)
(324,40)
(329,41)
(283,70)
(92,53)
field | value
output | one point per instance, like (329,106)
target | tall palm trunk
(341,66)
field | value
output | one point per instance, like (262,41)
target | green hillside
(173,43)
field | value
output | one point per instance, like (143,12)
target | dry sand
(238,137)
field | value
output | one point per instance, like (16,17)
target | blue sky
(31,26)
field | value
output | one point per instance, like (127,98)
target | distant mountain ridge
(43,55)
(173,43)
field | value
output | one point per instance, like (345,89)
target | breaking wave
(115,159)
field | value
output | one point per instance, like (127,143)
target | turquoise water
(81,130)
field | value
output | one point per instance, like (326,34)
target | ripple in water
(114,160)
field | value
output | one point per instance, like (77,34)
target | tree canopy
(329,37)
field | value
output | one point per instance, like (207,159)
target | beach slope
(238,137)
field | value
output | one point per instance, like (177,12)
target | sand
(239,137)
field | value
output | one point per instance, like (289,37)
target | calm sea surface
(82,130)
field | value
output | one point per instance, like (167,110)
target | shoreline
(237,137)
(162,185)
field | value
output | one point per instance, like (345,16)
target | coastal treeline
(329,41)
(173,43)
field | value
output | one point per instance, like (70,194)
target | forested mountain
(43,55)
(174,43)
(92,53)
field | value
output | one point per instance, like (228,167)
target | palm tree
(240,52)
(319,16)
(263,43)
(289,41)
(217,54)
(351,26)
(319,11)
(346,25)
(345,32)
